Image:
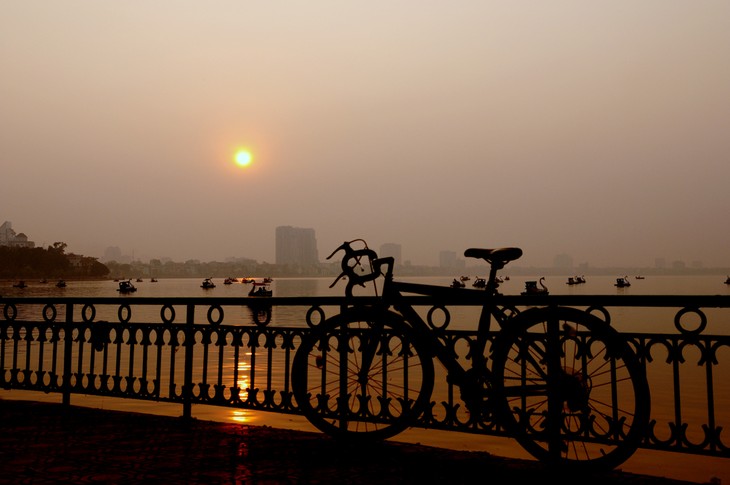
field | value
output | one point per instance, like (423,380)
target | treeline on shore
(249,268)
(252,268)
(52,262)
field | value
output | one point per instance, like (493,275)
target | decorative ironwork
(237,353)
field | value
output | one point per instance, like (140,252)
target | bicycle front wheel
(361,375)
(572,391)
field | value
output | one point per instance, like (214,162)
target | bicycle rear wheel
(571,390)
(361,375)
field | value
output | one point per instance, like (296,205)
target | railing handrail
(451,296)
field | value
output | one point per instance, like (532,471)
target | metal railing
(238,352)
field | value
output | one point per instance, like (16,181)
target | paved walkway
(50,443)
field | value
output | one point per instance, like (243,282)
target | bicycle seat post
(492,284)
(497,259)
(378,264)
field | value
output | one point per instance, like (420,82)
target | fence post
(67,351)
(189,344)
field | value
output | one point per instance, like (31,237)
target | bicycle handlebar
(353,259)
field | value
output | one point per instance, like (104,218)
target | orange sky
(595,130)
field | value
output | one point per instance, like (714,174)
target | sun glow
(243,158)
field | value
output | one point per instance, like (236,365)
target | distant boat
(139,280)
(531,287)
(126,287)
(20,284)
(260,289)
(479,283)
(639,277)
(622,282)
(44,281)
(153,280)
(207,284)
(457,284)
(229,281)
(727,280)
(61,284)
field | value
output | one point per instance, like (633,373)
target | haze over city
(598,130)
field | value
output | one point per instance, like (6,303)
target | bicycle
(562,382)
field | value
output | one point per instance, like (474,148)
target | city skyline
(116,253)
(192,130)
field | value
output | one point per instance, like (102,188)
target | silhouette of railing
(237,352)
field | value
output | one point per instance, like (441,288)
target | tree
(98,269)
(58,247)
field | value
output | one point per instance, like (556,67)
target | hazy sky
(596,129)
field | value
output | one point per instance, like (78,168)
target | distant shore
(405,272)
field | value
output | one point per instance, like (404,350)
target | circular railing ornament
(683,328)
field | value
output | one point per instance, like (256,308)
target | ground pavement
(49,443)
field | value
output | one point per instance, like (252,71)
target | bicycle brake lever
(342,247)
(359,283)
(338,279)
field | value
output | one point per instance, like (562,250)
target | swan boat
(260,289)
(531,287)
(622,282)
(126,287)
(207,284)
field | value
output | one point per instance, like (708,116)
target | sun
(243,158)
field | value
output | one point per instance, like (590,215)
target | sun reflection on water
(244,369)
(243,416)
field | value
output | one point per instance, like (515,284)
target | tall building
(449,259)
(391,250)
(113,253)
(296,245)
(563,261)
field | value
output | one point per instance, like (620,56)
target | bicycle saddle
(499,256)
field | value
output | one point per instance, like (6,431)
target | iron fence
(238,352)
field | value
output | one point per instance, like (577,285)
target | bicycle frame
(393,297)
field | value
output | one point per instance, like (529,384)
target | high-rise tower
(296,245)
